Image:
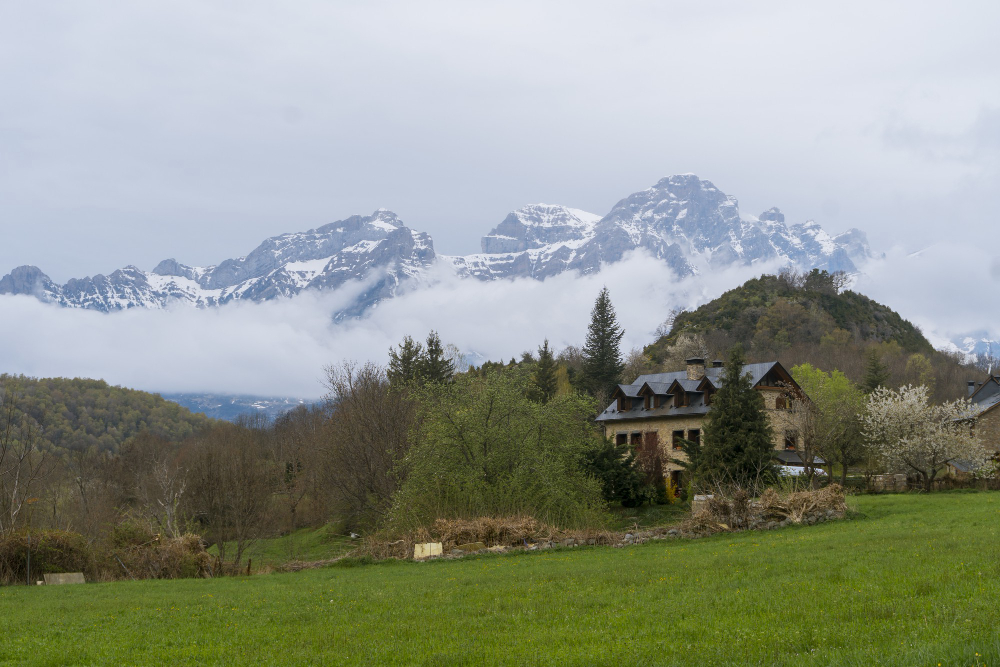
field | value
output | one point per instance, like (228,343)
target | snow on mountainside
(687,222)
(377,247)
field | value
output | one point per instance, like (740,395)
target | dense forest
(774,311)
(79,414)
(809,318)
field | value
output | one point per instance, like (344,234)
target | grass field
(305,544)
(914,581)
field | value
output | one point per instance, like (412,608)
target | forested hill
(773,312)
(80,413)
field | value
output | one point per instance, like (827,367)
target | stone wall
(988,428)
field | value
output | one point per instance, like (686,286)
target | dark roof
(962,465)
(660,383)
(630,390)
(989,388)
(790,457)
(756,371)
(986,403)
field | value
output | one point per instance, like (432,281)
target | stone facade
(988,428)
(634,430)
(661,408)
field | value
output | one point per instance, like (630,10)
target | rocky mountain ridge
(685,221)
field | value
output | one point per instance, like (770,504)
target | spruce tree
(406,362)
(434,366)
(738,438)
(876,373)
(602,357)
(544,383)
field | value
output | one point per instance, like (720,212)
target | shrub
(156,558)
(484,449)
(51,551)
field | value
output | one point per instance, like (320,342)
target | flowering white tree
(909,434)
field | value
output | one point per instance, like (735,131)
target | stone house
(985,397)
(657,411)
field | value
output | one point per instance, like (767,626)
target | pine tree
(544,380)
(405,364)
(434,366)
(876,373)
(602,357)
(738,438)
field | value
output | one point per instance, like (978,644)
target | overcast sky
(131,132)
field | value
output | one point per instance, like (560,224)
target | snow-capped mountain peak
(685,221)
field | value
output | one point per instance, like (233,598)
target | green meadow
(910,580)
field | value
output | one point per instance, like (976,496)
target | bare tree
(367,435)
(21,462)
(297,437)
(93,482)
(806,421)
(154,481)
(636,364)
(229,488)
(667,324)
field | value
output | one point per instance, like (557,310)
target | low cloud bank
(280,347)
(949,289)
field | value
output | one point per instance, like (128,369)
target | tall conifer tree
(602,357)
(405,362)
(876,372)
(544,379)
(434,366)
(738,438)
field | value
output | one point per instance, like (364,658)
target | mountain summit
(685,221)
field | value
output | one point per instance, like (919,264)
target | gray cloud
(194,129)
(944,289)
(280,347)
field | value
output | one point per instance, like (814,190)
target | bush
(51,551)
(132,553)
(484,449)
(491,531)
(181,557)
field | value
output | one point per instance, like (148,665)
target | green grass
(912,582)
(648,516)
(305,544)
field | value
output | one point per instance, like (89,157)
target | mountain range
(683,220)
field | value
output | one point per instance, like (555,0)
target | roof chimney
(972,387)
(695,368)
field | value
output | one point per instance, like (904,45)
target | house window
(780,403)
(694,435)
(636,439)
(677,437)
(621,438)
(791,440)
(646,402)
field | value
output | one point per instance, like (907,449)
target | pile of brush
(737,510)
